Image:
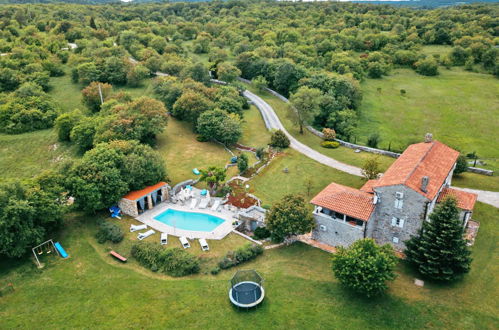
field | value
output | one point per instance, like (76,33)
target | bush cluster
(109,231)
(279,139)
(261,233)
(330,144)
(243,254)
(174,261)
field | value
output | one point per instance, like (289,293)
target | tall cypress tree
(440,251)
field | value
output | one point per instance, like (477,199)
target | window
(395,239)
(323,228)
(399,200)
(397,222)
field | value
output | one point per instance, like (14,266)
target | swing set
(45,248)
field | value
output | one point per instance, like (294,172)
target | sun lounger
(164,238)
(204,203)
(184,242)
(193,203)
(216,205)
(204,244)
(137,227)
(148,233)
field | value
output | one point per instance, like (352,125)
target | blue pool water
(189,220)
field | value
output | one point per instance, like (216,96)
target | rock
(419,282)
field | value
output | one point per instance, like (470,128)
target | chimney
(424,183)
(428,138)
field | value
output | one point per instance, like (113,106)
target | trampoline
(246,289)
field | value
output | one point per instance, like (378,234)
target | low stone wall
(480,171)
(182,184)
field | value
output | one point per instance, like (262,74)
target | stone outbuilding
(137,202)
(253,217)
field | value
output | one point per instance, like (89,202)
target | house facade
(137,202)
(392,208)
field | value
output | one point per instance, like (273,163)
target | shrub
(173,261)
(242,163)
(109,231)
(403,92)
(215,271)
(330,144)
(261,233)
(461,165)
(279,139)
(260,152)
(427,67)
(373,140)
(329,134)
(245,253)
(65,123)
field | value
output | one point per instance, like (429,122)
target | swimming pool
(189,220)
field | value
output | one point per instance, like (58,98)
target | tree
(220,126)
(260,83)
(439,252)
(9,80)
(370,169)
(92,96)
(278,139)
(198,72)
(227,72)
(190,106)
(136,75)
(242,163)
(427,67)
(329,134)
(286,77)
(213,176)
(65,123)
(461,165)
(82,134)
(365,267)
(290,216)
(305,105)
(168,90)
(344,122)
(142,119)
(28,213)
(92,23)
(88,72)
(110,170)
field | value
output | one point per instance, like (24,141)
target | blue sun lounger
(196,171)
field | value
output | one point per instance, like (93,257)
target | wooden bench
(118,256)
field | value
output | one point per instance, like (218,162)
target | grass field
(255,134)
(92,290)
(460,108)
(26,155)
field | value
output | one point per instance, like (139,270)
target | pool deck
(219,233)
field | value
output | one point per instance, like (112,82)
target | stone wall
(480,171)
(128,207)
(337,233)
(412,212)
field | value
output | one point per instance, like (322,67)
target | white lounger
(216,205)
(204,203)
(137,227)
(148,233)
(193,203)
(184,242)
(204,244)
(164,238)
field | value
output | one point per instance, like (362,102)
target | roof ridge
(419,162)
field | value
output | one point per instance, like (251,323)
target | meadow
(91,289)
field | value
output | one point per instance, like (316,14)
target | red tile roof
(346,200)
(433,159)
(465,200)
(137,194)
(369,185)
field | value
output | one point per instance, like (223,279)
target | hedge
(173,261)
(330,144)
(243,254)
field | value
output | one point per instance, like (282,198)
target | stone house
(137,202)
(392,208)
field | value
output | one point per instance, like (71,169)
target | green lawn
(26,155)
(305,176)
(255,134)
(92,290)
(460,108)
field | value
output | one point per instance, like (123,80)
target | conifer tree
(440,251)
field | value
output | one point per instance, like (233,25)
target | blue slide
(61,250)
